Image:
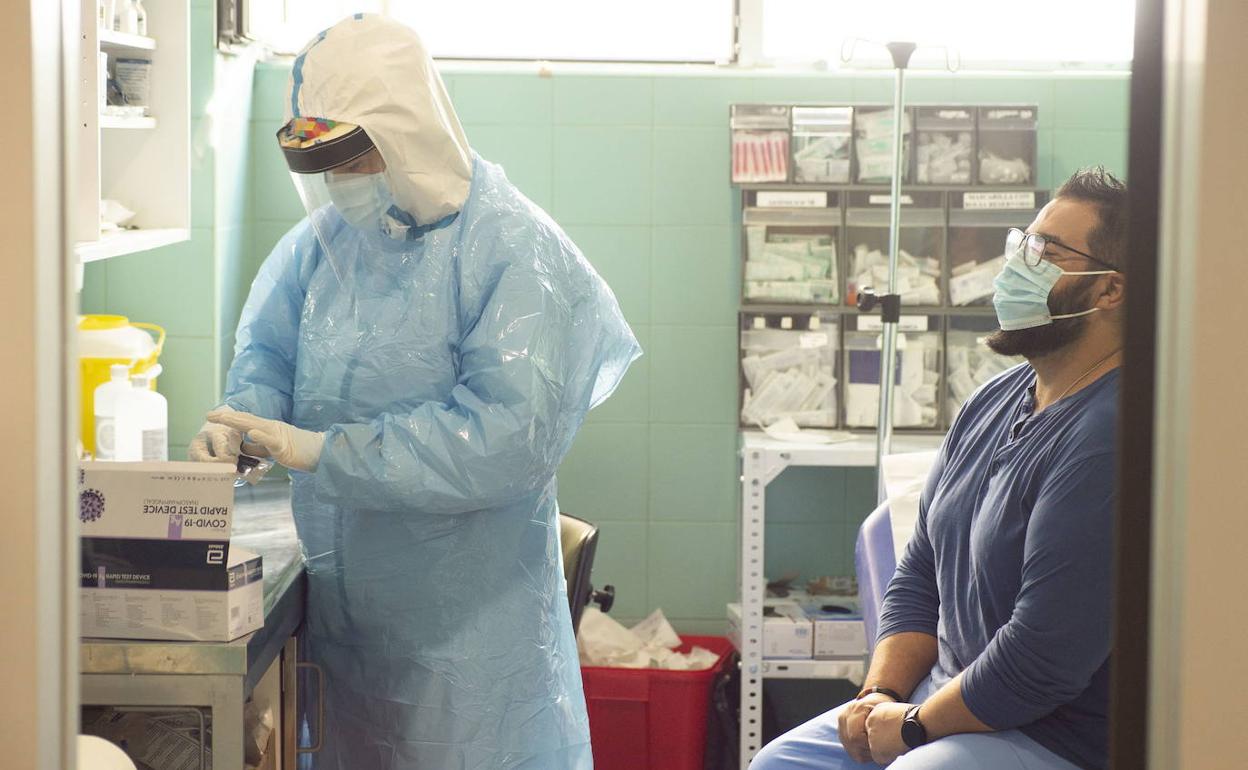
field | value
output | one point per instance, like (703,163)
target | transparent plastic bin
(791,241)
(920,264)
(760,143)
(968,361)
(822,138)
(1007,145)
(789,369)
(873,145)
(978,224)
(944,145)
(916,402)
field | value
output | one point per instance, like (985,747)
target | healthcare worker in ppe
(420,352)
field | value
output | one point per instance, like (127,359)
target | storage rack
(764,458)
(952,216)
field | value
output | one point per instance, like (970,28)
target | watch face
(912,733)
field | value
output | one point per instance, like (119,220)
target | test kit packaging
(837,627)
(787,632)
(156,556)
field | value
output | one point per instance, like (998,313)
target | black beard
(1042,340)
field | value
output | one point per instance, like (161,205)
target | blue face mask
(361,199)
(1021,294)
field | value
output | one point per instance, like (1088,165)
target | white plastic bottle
(104,405)
(140,18)
(128,17)
(142,423)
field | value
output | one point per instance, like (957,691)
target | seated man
(995,631)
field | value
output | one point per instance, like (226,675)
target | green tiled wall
(634,167)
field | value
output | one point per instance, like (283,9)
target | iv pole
(890,301)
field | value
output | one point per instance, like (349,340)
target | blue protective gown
(450,373)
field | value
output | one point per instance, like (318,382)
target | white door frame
(38,535)
(1199,623)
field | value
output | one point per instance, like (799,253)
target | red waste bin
(642,718)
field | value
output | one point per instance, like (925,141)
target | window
(985,34)
(578,30)
(980,34)
(285,26)
(575,30)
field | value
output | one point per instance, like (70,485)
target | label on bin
(881,200)
(791,200)
(981,201)
(907,323)
(812,340)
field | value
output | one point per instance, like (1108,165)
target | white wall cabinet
(142,162)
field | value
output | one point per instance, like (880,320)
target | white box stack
(156,556)
(837,625)
(787,632)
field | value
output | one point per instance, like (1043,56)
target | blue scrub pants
(816,746)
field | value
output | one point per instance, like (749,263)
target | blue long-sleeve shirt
(1010,563)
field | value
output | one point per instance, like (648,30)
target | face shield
(341,180)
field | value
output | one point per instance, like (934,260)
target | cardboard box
(787,634)
(836,634)
(156,556)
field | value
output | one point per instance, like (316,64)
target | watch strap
(896,696)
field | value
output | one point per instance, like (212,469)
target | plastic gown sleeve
(531,365)
(912,601)
(261,379)
(1059,633)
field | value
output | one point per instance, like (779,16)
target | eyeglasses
(1034,245)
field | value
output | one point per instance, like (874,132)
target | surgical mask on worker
(361,199)
(1021,293)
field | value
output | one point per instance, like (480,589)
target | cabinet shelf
(123,41)
(128,242)
(852,670)
(882,188)
(796,308)
(127,155)
(128,122)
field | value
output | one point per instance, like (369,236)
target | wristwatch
(913,733)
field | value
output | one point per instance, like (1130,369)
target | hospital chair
(579,539)
(875,563)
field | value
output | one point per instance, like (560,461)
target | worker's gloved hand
(216,443)
(293,447)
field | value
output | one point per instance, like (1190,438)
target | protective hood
(375,72)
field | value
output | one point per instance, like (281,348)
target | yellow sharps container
(105,340)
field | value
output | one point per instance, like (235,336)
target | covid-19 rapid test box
(156,556)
